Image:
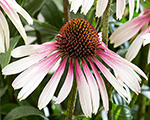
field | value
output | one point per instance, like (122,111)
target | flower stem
(71,101)
(106,23)
(66,11)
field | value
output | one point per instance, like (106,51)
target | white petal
(120,8)
(86,5)
(20,10)
(131,8)
(100,7)
(84,92)
(101,85)
(32,49)
(112,80)
(50,88)
(2,46)
(66,88)
(13,16)
(28,75)
(22,64)
(93,87)
(75,4)
(5,29)
(38,72)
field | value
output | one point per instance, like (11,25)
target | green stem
(71,101)
(106,23)
(105,40)
(66,11)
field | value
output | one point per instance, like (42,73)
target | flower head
(11,7)
(78,43)
(128,30)
(101,6)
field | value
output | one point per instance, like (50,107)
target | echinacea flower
(11,7)
(128,30)
(101,6)
(78,43)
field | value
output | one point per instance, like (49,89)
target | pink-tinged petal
(146,11)
(136,45)
(131,8)
(112,79)
(13,16)
(124,72)
(84,92)
(86,5)
(66,88)
(120,8)
(38,73)
(100,7)
(124,61)
(2,44)
(22,64)
(146,37)
(51,86)
(75,4)
(31,72)
(33,49)
(20,10)
(128,30)
(93,87)
(101,85)
(5,29)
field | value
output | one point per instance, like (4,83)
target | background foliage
(45,30)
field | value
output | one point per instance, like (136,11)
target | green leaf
(52,14)
(121,112)
(33,6)
(5,57)
(23,111)
(3,90)
(45,28)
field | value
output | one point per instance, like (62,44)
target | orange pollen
(77,39)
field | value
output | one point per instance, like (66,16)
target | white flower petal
(93,87)
(100,7)
(2,46)
(86,5)
(50,88)
(131,7)
(101,85)
(20,10)
(75,4)
(84,92)
(13,16)
(66,88)
(31,72)
(5,28)
(120,8)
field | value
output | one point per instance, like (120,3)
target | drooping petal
(131,8)
(75,4)
(146,37)
(86,5)
(13,16)
(136,45)
(84,92)
(128,30)
(124,61)
(101,85)
(20,10)
(33,79)
(31,72)
(100,7)
(93,87)
(137,6)
(5,29)
(112,80)
(22,64)
(66,88)
(51,86)
(125,73)
(120,8)
(2,44)
(33,49)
